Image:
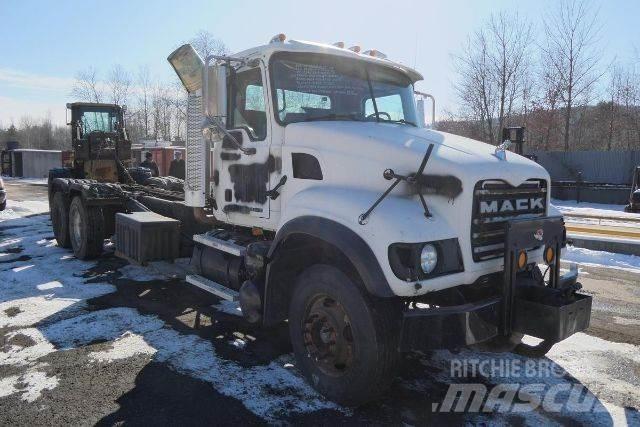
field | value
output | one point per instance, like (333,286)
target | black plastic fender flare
(344,239)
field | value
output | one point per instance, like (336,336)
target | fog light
(522,260)
(428,258)
(549,255)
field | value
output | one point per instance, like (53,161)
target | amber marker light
(549,255)
(522,259)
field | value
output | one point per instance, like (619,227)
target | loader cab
(99,140)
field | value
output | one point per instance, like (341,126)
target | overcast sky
(43,44)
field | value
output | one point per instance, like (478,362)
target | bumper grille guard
(551,311)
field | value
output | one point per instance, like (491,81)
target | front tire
(344,340)
(86,228)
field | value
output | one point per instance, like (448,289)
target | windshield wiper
(373,98)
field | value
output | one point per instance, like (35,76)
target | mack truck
(317,197)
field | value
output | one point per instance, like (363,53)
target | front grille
(494,203)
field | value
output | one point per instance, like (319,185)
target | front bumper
(552,312)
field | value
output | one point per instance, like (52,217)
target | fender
(278,281)
(59,184)
(347,241)
(67,184)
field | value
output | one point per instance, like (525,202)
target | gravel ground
(108,343)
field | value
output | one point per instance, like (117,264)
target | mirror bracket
(212,121)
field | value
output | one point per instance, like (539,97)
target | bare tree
(570,49)
(179,104)
(144,93)
(207,44)
(119,84)
(511,38)
(87,86)
(613,101)
(549,101)
(628,92)
(493,72)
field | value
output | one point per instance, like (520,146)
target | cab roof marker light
(355,49)
(375,53)
(278,38)
(339,44)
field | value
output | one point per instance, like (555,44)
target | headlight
(419,261)
(428,258)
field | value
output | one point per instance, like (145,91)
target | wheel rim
(75,227)
(327,336)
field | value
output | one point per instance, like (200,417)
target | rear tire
(60,219)
(345,341)
(3,205)
(86,228)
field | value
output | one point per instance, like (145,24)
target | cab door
(243,180)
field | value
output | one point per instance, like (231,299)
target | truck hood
(357,153)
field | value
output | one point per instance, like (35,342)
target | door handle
(274,193)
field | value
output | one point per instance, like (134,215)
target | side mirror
(188,66)
(420,108)
(214,92)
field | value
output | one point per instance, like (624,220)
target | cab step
(228,246)
(212,287)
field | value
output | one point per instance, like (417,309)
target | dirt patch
(12,311)
(21,340)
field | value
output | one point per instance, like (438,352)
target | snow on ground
(32,181)
(16,209)
(43,294)
(229,307)
(30,385)
(125,346)
(588,257)
(596,209)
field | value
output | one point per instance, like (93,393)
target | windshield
(311,87)
(98,120)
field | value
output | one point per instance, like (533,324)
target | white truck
(326,202)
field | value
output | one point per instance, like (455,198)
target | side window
(248,109)
(254,97)
(391,104)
